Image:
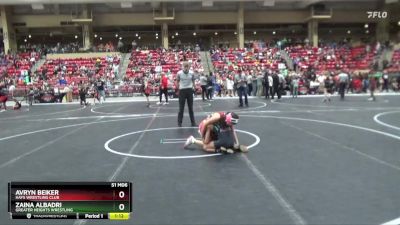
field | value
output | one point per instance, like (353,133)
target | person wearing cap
(218,134)
(185,84)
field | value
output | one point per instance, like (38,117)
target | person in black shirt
(82,94)
(100,90)
(266,85)
(276,85)
(328,86)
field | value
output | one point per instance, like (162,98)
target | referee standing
(185,83)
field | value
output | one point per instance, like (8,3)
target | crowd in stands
(66,75)
(152,63)
(17,65)
(394,64)
(311,66)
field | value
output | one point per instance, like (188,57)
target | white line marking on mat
(173,142)
(124,160)
(44,114)
(392,222)
(331,106)
(289,209)
(107,147)
(118,170)
(47,144)
(11,161)
(329,122)
(346,147)
(67,126)
(93,117)
(376,119)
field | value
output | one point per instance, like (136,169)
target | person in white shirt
(249,84)
(229,86)
(271,83)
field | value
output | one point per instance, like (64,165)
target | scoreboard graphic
(70,200)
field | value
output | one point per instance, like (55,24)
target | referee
(185,83)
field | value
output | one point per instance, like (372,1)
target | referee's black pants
(186,95)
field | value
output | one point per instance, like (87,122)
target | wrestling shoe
(226,150)
(189,141)
(243,148)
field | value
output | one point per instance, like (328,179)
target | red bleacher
(145,61)
(234,58)
(22,62)
(327,58)
(73,66)
(395,63)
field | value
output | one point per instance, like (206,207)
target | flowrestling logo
(377,14)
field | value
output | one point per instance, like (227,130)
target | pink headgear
(230,120)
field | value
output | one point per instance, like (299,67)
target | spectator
(164,89)
(203,85)
(260,89)
(242,88)
(295,85)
